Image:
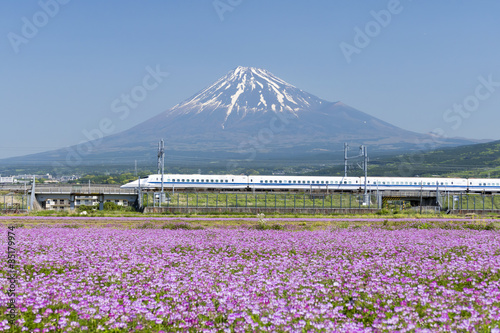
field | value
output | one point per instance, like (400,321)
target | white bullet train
(297,183)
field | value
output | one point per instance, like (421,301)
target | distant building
(7,180)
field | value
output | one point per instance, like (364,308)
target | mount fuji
(249,114)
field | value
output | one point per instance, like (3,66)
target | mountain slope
(479,160)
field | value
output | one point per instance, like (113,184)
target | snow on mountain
(247,90)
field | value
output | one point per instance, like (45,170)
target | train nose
(133,184)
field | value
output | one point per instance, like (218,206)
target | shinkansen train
(297,183)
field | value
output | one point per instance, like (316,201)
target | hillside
(478,160)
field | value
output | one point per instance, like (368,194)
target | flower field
(367,279)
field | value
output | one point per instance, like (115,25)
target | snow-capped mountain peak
(249,90)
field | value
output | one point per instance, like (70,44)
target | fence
(469,202)
(348,200)
(262,200)
(13,203)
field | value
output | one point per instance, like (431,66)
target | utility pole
(421,189)
(33,195)
(363,152)
(161,165)
(346,149)
(139,193)
(136,168)
(365,167)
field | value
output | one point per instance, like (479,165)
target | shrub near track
(344,279)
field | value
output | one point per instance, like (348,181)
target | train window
(351,182)
(226,180)
(294,181)
(356,181)
(322,182)
(280,181)
(261,181)
(312,182)
(406,183)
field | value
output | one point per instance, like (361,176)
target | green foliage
(183,226)
(71,226)
(146,225)
(111,206)
(83,208)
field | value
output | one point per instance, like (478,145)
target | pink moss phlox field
(345,280)
(236,218)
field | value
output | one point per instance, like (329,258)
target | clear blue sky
(62,79)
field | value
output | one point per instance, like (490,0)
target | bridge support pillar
(101,202)
(72,202)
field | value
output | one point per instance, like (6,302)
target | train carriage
(315,183)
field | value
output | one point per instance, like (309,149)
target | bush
(146,225)
(83,208)
(111,206)
(183,226)
(265,226)
(71,226)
